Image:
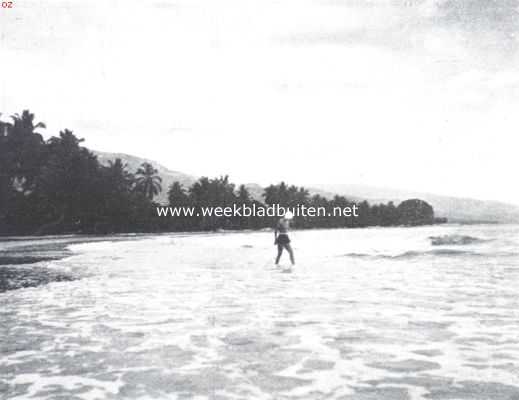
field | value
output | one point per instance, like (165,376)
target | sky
(412,94)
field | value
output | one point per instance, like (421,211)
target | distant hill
(454,208)
(168,176)
(256,192)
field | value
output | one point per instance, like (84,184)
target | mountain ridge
(456,209)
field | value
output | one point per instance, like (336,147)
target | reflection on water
(366,314)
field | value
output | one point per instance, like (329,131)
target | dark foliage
(415,212)
(57,186)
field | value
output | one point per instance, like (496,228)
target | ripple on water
(315,364)
(161,321)
(474,390)
(14,390)
(158,383)
(442,388)
(409,365)
(275,383)
(261,356)
(56,392)
(382,393)
(429,352)
(23,339)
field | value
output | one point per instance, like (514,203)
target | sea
(376,313)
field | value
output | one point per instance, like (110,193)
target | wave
(94,246)
(438,252)
(414,254)
(457,240)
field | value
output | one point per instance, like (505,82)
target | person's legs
(291,252)
(280,250)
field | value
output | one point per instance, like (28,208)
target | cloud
(483,33)
(479,14)
(488,25)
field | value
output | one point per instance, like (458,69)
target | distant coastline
(57,186)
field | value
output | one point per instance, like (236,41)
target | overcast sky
(414,94)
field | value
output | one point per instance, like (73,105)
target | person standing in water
(281,237)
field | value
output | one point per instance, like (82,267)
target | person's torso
(283,227)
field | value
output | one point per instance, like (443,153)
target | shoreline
(129,235)
(30,261)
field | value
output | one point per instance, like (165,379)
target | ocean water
(379,313)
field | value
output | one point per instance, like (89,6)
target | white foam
(188,304)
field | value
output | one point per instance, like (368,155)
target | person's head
(288,215)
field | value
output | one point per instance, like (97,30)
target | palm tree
(243,195)
(177,195)
(118,175)
(24,147)
(147,181)
(24,124)
(117,166)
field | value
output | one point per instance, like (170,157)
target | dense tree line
(58,186)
